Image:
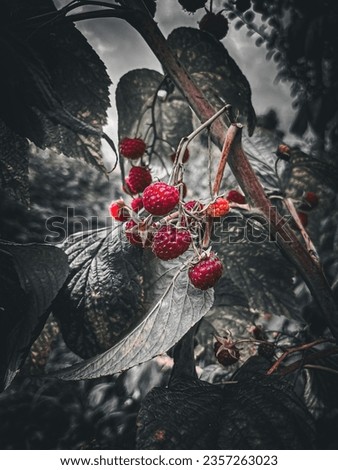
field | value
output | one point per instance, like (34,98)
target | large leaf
(14,164)
(172,306)
(256,266)
(254,412)
(135,99)
(103,294)
(54,87)
(31,276)
(214,71)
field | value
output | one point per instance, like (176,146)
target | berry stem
(311,357)
(229,139)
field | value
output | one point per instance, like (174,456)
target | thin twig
(312,357)
(303,347)
(323,368)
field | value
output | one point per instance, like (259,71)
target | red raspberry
(193,206)
(136,236)
(132,148)
(169,242)
(137,204)
(118,210)
(138,179)
(192,5)
(218,208)
(185,156)
(206,272)
(235,196)
(160,198)
(215,24)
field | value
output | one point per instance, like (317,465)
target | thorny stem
(304,347)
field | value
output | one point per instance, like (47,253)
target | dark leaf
(55,88)
(31,276)
(172,307)
(212,68)
(14,164)
(104,291)
(135,96)
(268,286)
(260,149)
(256,413)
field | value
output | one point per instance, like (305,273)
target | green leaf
(103,294)
(214,71)
(31,276)
(135,97)
(172,307)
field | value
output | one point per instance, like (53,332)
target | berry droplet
(206,272)
(132,148)
(160,198)
(235,196)
(119,211)
(215,24)
(170,242)
(219,208)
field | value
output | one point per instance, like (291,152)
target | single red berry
(266,350)
(193,206)
(132,148)
(226,355)
(192,5)
(283,152)
(219,208)
(137,204)
(138,235)
(138,179)
(185,156)
(215,24)
(169,242)
(160,198)
(235,196)
(118,211)
(312,199)
(206,272)
(243,5)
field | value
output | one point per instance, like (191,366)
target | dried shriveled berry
(206,272)
(170,242)
(283,152)
(226,352)
(132,148)
(160,198)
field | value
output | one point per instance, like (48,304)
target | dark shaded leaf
(31,276)
(268,286)
(172,307)
(214,71)
(258,412)
(104,291)
(135,95)
(260,149)
(55,87)
(14,164)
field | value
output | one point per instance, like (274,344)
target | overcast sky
(122,49)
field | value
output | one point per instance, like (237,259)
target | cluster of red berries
(157,216)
